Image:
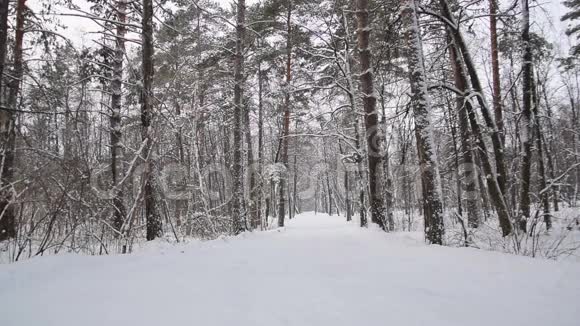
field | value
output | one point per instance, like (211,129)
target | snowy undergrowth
(562,242)
(318,270)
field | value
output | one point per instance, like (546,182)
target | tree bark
(371,114)
(497,187)
(497,105)
(260,147)
(238,216)
(526,120)
(421,104)
(4,5)
(544,197)
(115,118)
(153,220)
(498,148)
(8,131)
(355,124)
(286,130)
(469,167)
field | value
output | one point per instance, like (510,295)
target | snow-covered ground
(318,271)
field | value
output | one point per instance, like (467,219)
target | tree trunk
(115,118)
(498,148)
(8,131)
(421,103)
(295,176)
(497,198)
(497,187)
(526,121)
(548,146)
(468,163)
(4,5)
(355,123)
(286,131)
(497,105)
(252,212)
(543,194)
(260,147)
(237,195)
(371,115)
(153,220)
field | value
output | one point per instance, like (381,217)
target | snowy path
(318,271)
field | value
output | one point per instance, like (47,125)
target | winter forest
(132,126)
(192,119)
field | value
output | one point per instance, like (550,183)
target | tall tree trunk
(286,131)
(251,172)
(421,103)
(544,193)
(497,105)
(548,146)
(8,131)
(4,5)
(153,220)
(498,148)
(295,176)
(387,180)
(371,114)
(238,215)
(355,123)
(115,118)
(260,146)
(526,120)
(497,187)
(497,199)
(468,163)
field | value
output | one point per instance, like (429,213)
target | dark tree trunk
(497,198)
(544,193)
(8,130)
(497,105)
(526,121)
(252,212)
(548,146)
(468,163)
(238,215)
(498,148)
(498,187)
(260,146)
(153,220)
(4,5)
(286,131)
(371,114)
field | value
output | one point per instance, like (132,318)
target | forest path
(319,270)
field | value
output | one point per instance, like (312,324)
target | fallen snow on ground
(319,271)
